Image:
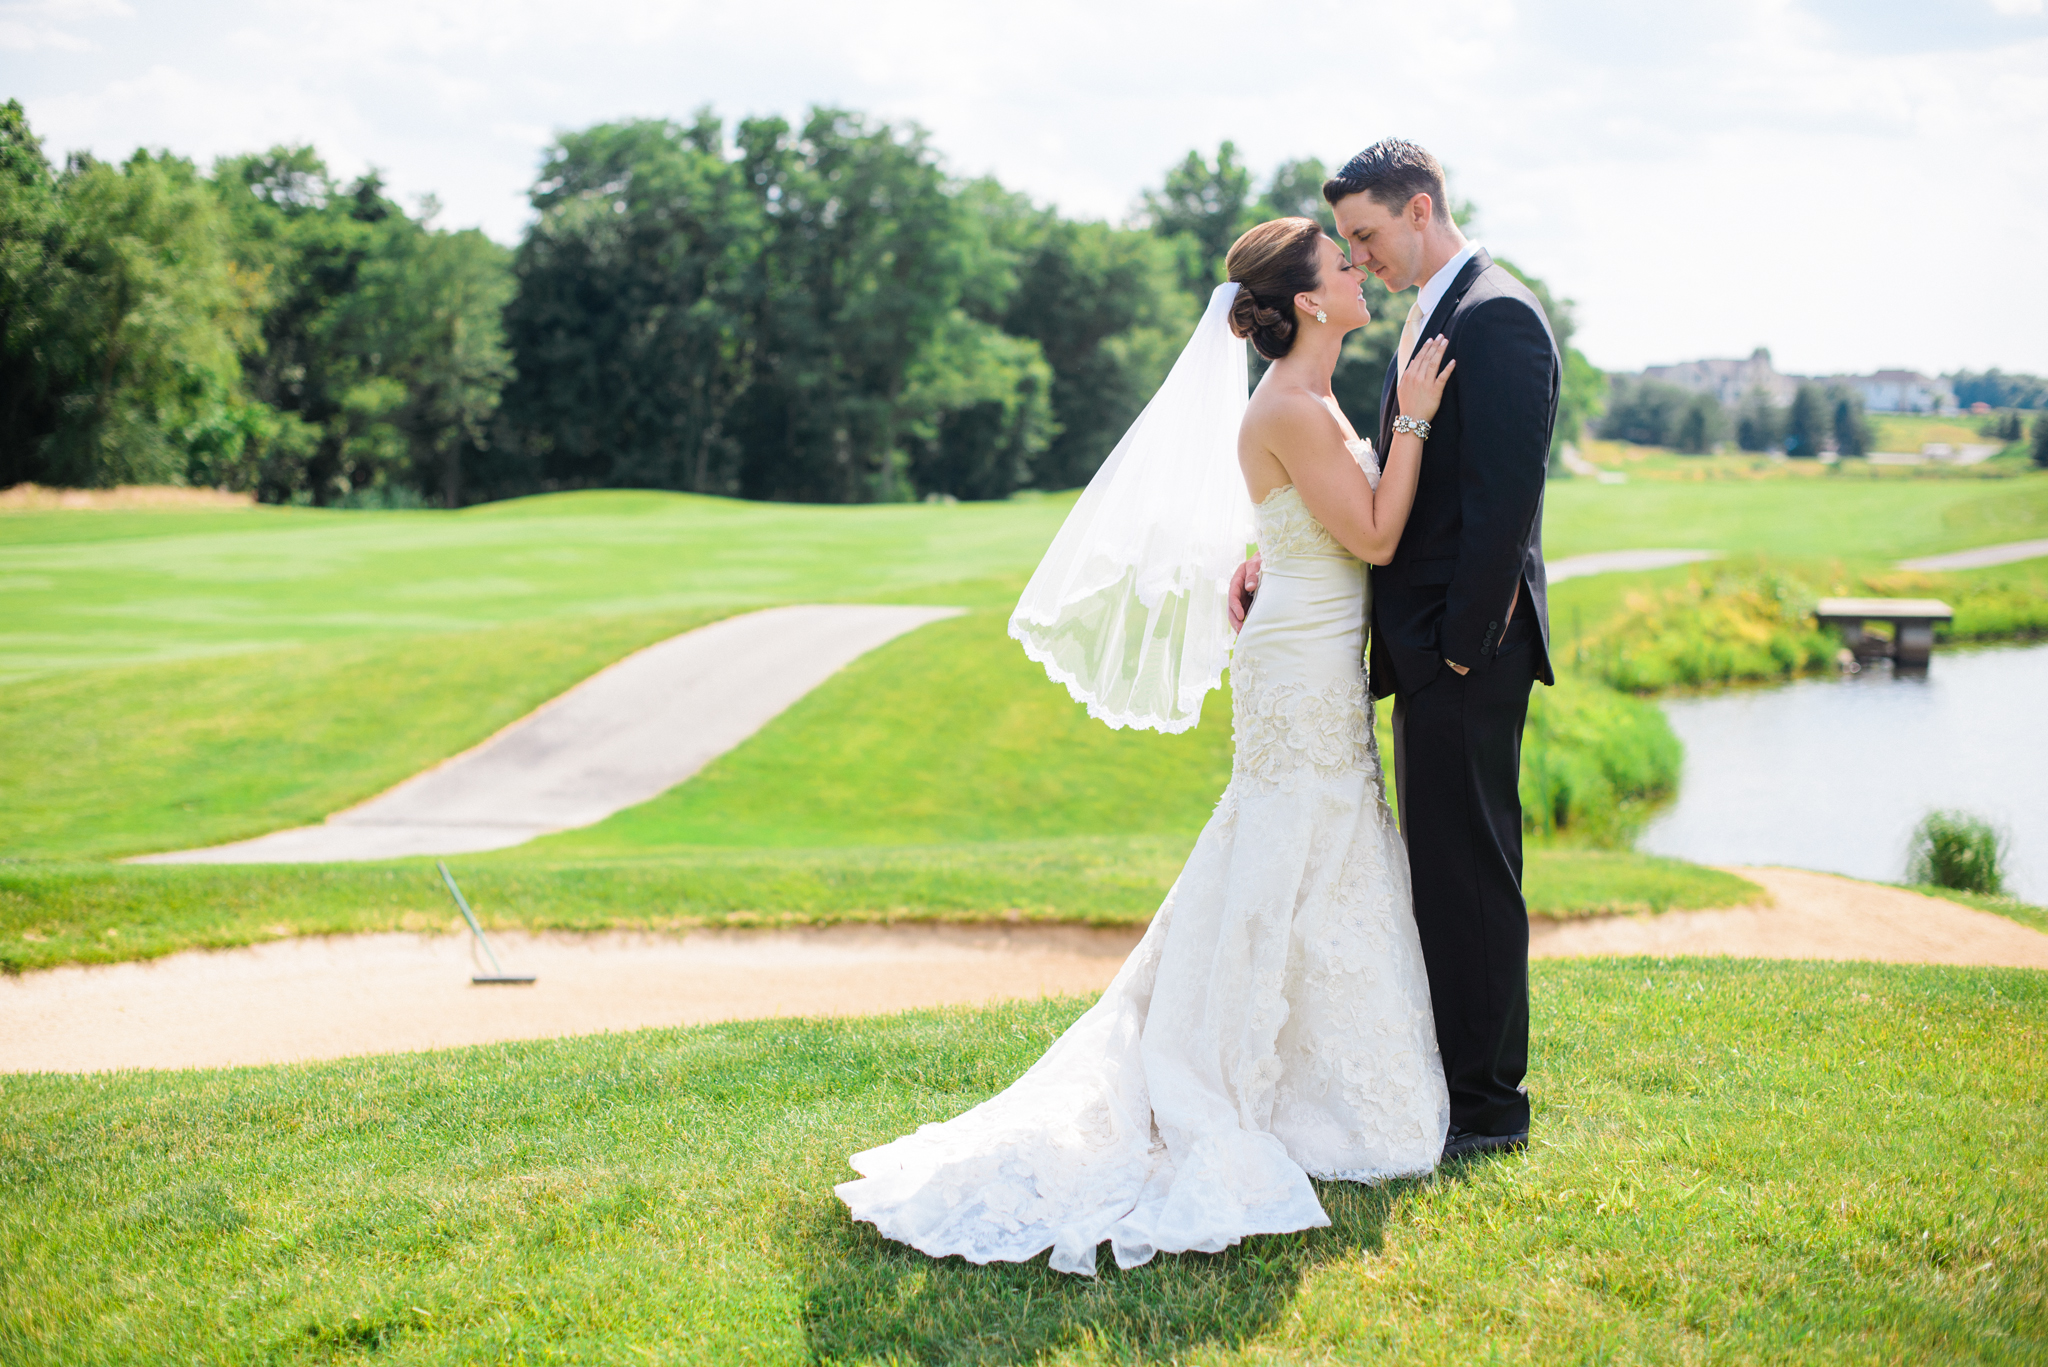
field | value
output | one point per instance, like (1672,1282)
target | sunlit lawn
(187,678)
(1733,1162)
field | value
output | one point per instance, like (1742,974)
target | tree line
(813,312)
(1997,389)
(1658,413)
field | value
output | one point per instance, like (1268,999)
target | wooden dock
(1912,622)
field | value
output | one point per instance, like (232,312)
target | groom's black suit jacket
(1477,526)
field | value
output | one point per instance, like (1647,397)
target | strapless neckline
(1361,451)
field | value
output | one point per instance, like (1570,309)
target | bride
(1274,1024)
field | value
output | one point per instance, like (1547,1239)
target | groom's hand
(1244,586)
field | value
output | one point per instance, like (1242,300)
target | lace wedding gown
(1272,1026)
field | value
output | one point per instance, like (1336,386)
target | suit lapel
(1387,405)
(1448,305)
(1440,319)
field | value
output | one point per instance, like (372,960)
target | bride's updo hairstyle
(1271,264)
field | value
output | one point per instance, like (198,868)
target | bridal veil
(1128,607)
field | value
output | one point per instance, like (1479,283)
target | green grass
(946,734)
(86,589)
(185,678)
(1571,884)
(1911,431)
(135,758)
(1908,434)
(1733,1162)
(941,776)
(1873,522)
(1749,618)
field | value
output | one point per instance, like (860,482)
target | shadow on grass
(869,1299)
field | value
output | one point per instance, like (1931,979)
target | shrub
(1744,625)
(1957,850)
(1594,762)
(2003,604)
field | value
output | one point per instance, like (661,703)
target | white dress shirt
(1434,289)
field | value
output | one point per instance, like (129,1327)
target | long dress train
(1272,1026)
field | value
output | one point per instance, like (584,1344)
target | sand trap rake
(497,976)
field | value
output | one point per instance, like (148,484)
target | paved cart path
(1979,558)
(1610,562)
(624,735)
(317,998)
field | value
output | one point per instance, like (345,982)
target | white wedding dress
(1272,1026)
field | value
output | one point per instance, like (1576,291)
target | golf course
(1734,1159)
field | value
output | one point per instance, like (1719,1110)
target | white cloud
(1701,178)
(32,25)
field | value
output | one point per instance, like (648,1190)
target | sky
(1855,184)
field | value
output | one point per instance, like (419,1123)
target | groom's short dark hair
(1392,172)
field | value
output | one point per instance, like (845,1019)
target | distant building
(1900,391)
(1888,391)
(1728,381)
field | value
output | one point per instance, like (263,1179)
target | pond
(1834,774)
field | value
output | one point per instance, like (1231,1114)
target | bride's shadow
(868,1299)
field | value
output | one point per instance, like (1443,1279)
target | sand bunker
(1811,916)
(305,999)
(40,498)
(372,994)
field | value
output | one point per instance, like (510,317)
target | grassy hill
(179,678)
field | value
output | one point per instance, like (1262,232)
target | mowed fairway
(114,587)
(1733,1162)
(184,679)
(1869,522)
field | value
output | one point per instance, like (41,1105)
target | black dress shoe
(1464,1143)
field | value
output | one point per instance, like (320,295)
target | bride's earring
(1322,317)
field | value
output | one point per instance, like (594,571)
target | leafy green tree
(133,312)
(1105,308)
(1702,425)
(1646,412)
(381,355)
(630,325)
(1999,389)
(1809,423)
(977,411)
(1759,425)
(1852,431)
(2041,440)
(860,267)
(29,238)
(1296,191)
(430,310)
(811,313)
(1202,209)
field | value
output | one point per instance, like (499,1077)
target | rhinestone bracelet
(1404,423)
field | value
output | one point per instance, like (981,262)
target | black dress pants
(1457,766)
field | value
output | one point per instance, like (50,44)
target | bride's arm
(1365,521)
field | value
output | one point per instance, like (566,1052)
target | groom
(1459,627)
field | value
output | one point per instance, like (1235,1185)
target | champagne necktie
(1409,331)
